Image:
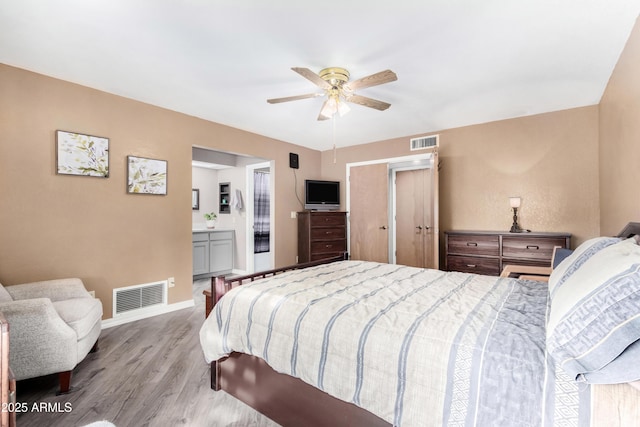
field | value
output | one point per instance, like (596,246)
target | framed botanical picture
(146,176)
(84,155)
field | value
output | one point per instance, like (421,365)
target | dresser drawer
(330,233)
(477,265)
(540,249)
(329,246)
(473,244)
(327,220)
(529,261)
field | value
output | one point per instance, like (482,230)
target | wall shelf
(225,198)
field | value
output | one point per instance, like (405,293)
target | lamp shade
(514,202)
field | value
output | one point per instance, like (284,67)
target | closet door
(369,212)
(410,222)
(416,218)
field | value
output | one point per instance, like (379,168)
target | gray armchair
(53,325)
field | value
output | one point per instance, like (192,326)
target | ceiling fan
(339,90)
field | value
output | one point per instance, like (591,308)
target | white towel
(237,200)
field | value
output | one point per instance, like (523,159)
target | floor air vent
(137,298)
(423,142)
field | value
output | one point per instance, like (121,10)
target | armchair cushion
(4,295)
(81,314)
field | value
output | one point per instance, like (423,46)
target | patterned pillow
(560,255)
(562,272)
(595,312)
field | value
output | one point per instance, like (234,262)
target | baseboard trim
(150,312)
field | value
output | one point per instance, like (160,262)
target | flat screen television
(321,195)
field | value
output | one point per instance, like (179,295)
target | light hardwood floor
(146,373)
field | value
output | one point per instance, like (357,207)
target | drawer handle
(471,265)
(472,244)
(536,247)
(328,232)
(328,246)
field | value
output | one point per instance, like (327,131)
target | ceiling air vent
(424,142)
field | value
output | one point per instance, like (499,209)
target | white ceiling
(458,62)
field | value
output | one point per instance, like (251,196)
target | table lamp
(515,204)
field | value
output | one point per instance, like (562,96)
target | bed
(361,343)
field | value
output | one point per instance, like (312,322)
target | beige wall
(550,160)
(56,226)
(620,141)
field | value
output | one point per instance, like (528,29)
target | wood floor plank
(146,373)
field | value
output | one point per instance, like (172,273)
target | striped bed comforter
(415,347)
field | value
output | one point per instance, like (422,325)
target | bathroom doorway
(209,169)
(260,254)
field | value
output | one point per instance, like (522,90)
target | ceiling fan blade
(325,111)
(368,102)
(382,77)
(294,98)
(312,77)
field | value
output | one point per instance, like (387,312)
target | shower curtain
(261,212)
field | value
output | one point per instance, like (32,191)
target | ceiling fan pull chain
(333,137)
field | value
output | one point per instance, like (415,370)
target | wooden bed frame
(220,285)
(286,400)
(281,397)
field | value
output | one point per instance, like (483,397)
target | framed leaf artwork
(146,176)
(80,154)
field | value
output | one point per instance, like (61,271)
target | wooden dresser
(487,252)
(321,234)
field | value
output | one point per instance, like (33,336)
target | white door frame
(250,210)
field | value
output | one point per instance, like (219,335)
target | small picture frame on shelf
(146,176)
(82,155)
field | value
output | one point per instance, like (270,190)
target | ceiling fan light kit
(332,106)
(338,90)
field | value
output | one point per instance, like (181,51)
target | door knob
(384,227)
(419,227)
